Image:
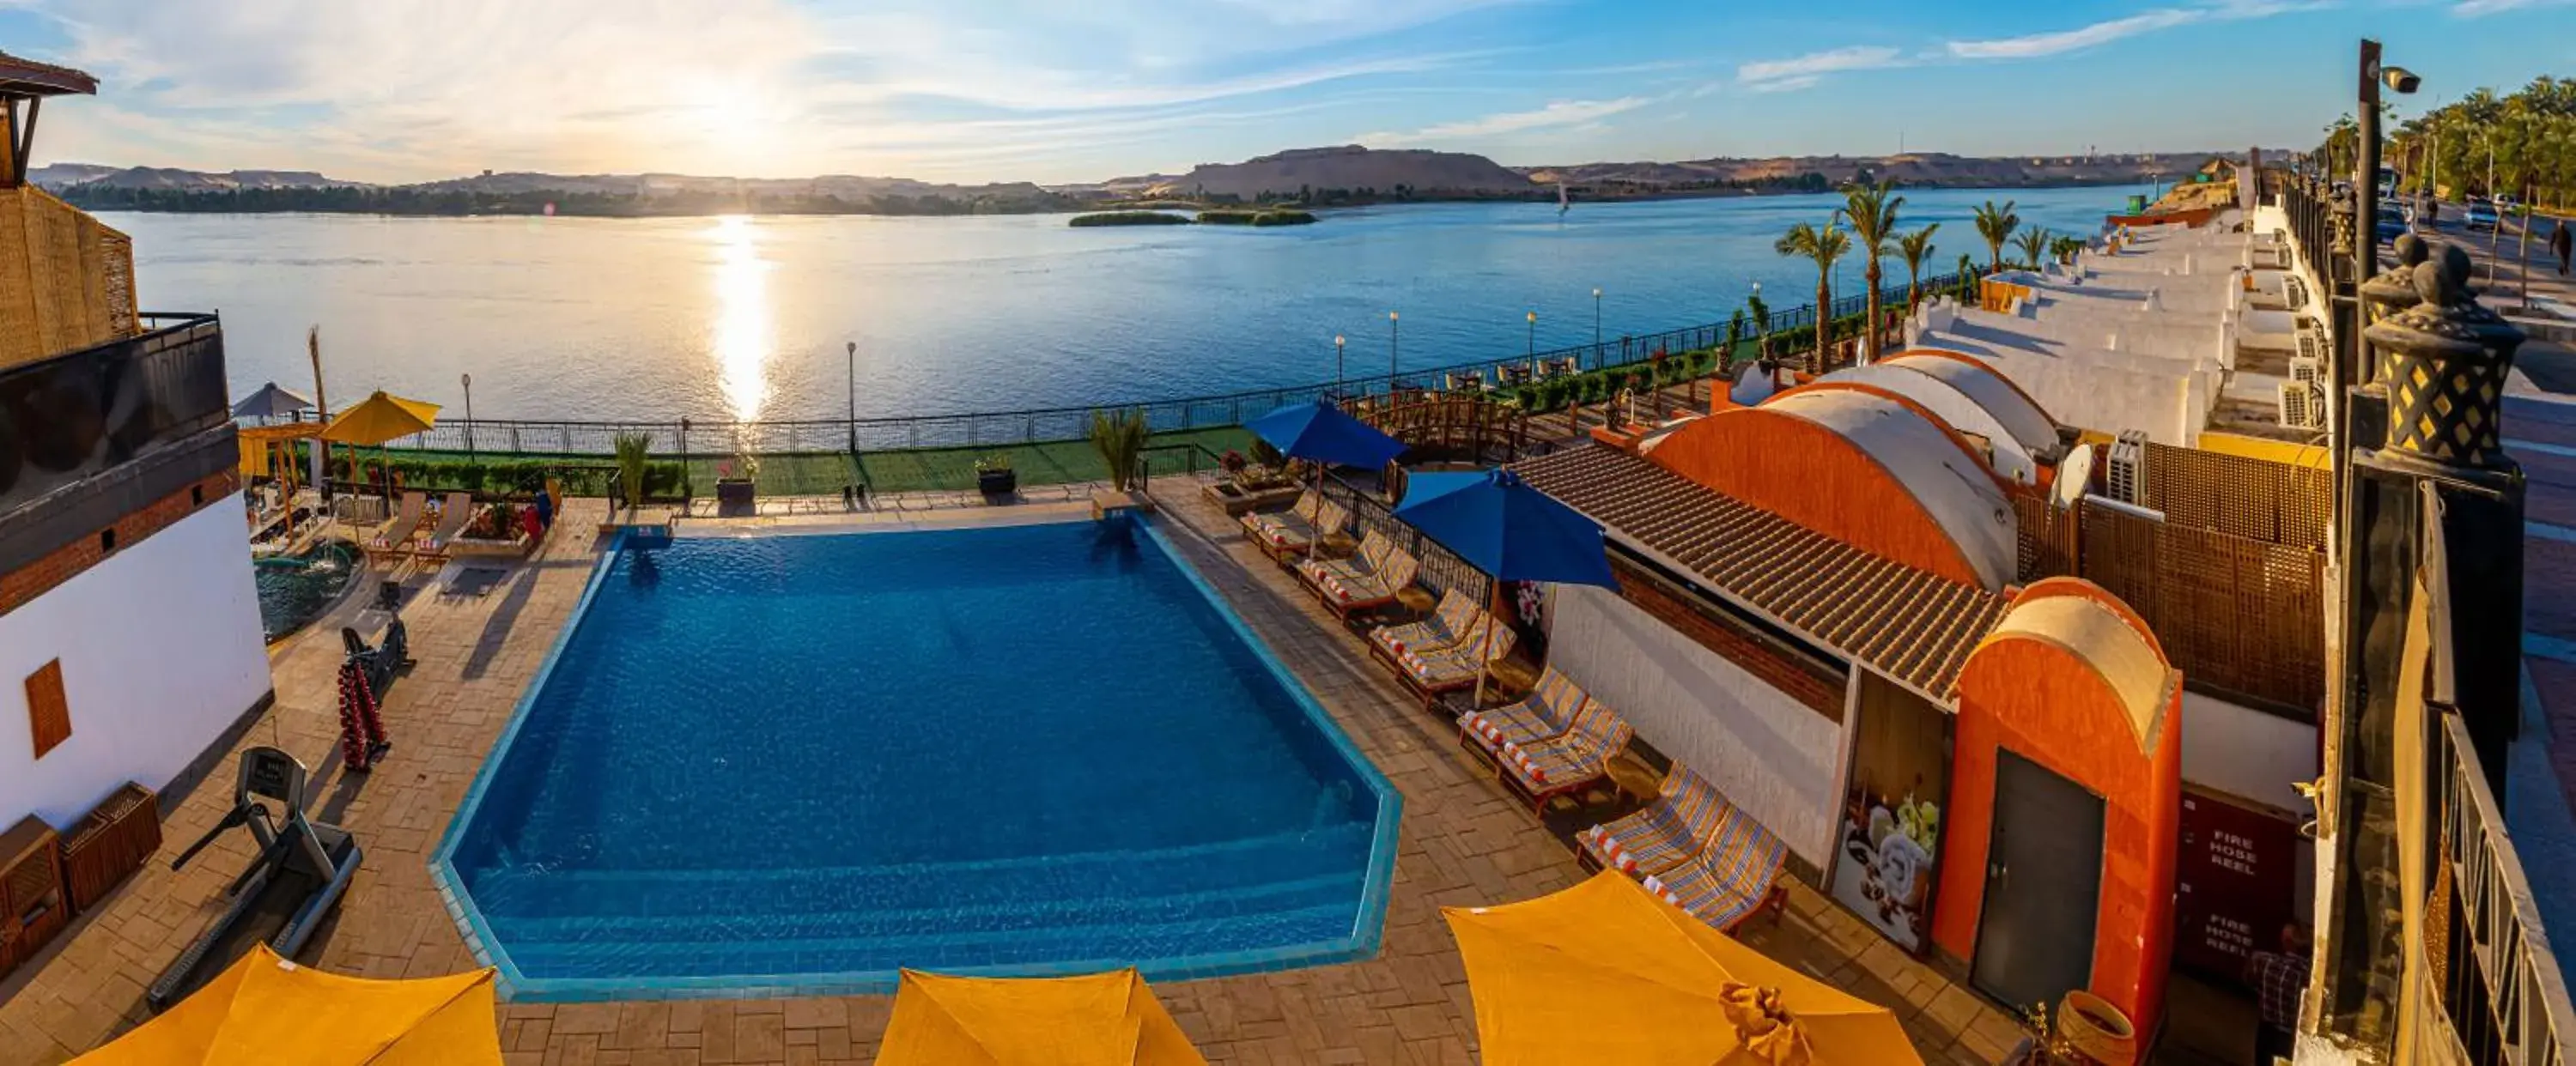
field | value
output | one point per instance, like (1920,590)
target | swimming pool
(793,764)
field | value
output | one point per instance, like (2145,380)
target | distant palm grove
(2522,144)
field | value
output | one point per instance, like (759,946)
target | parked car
(2480,215)
(2506,202)
(2391,224)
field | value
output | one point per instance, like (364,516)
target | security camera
(2400,79)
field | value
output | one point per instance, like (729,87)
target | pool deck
(1464,841)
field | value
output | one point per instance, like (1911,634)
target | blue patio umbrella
(1323,433)
(1502,526)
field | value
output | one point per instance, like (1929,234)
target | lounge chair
(1441,671)
(1367,581)
(453,513)
(1550,768)
(1545,715)
(1737,874)
(1297,530)
(1663,835)
(393,540)
(1446,626)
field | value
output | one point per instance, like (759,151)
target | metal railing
(705,438)
(2496,996)
(1442,569)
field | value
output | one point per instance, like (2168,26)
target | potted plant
(1119,439)
(497,529)
(634,454)
(994,476)
(734,479)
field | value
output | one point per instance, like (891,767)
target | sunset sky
(971,90)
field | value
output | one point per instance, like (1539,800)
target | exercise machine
(301,871)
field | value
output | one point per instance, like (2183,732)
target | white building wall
(161,651)
(2245,752)
(1768,753)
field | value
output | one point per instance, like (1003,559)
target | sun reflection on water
(745,334)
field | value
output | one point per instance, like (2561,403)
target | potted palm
(994,476)
(634,454)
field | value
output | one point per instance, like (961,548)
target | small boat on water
(1562,204)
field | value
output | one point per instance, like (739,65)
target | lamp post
(1337,367)
(853,364)
(467,380)
(1391,334)
(1533,337)
(1596,318)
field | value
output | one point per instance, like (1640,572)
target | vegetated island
(1267,216)
(1130,218)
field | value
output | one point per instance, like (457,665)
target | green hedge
(502,476)
(1130,218)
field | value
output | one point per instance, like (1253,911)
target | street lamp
(1337,368)
(1533,336)
(467,380)
(1596,317)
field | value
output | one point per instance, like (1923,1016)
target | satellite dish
(2074,476)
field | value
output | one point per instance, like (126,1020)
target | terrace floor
(1463,842)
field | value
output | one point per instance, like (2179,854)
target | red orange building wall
(2048,705)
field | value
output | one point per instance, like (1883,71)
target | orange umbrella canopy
(267,1011)
(382,417)
(1101,1019)
(1606,972)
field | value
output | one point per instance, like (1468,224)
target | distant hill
(1387,173)
(64,175)
(1913,168)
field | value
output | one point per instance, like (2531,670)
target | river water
(715,318)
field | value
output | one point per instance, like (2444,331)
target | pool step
(1003,883)
(880,923)
(1089,947)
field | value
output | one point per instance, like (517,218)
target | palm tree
(2032,245)
(1916,249)
(2063,248)
(1873,224)
(1996,225)
(1967,275)
(1825,247)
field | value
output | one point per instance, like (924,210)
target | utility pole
(321,410)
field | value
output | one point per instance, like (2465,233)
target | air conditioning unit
(2303,405)
(2312,347)
(2125,477)
(2293,292)
(2307,369)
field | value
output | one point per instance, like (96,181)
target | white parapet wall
(161,651)
(1770,754)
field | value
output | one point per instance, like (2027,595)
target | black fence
(75,415)
(703,438)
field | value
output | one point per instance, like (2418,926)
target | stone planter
(488,547)
(734,492)
(997,482)
(1236,500)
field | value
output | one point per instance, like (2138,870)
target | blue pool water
(800,762)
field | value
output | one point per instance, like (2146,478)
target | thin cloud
(1802,71)
(1562,113)
(2476,8)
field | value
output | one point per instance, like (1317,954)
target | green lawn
(914,470)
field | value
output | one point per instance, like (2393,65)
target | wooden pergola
(29,82)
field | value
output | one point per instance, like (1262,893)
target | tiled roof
(42,79)
(1909,624)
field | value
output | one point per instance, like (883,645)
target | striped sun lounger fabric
(1548,712)
(1457,665)
(1666,833)
(1371,577)
(1455,620)
(1298,520)
(1730,877)
(1293,532)
(1574,758)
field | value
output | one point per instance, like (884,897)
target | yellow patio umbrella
(1606,972)
(266,1011)
(1101,1019)
(381,418)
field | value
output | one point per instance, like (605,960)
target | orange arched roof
(1861,465)
(2097,634)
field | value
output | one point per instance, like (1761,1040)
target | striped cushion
(1447,627)
(1578,756)
(1730,877)
(1549,711)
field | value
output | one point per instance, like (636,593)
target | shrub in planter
(1232,462)
(994,476)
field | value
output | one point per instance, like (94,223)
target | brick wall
(1820,694)
(24,584)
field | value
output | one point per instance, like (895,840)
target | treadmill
(301,871)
